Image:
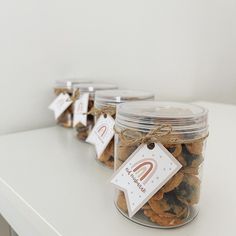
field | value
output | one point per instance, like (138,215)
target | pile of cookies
(111,99)
(172,204)
(83,131)
(107,157)
(67,87)
(139,120)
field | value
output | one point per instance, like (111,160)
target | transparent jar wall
(82,131)
(66,118)
(107,157)
(177,202)
(112,99)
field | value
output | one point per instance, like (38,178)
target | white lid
(113,97)
(93,87)
(146,115)
(70,82)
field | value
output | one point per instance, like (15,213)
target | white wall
(182,50)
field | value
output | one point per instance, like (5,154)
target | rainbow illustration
(102,130)
(80,108)
(144,169)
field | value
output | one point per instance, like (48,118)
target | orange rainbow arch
(102,130)
(144,169)
(80,108)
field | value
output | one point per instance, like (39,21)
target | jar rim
(114,97)
(70,82)
(93,87)
(184,118)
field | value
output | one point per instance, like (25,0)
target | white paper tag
(60,104)
(144,173)
(81,107)
(102,133)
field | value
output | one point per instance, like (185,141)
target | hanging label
(80,108)
(144,173)
(102,133)
(60,104)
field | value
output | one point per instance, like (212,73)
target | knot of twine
(160,134)
(61,90)
(107,110)
(75,95)
(73,98)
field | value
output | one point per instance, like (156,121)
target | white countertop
(50,185)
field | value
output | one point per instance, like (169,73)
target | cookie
(121,202)
(110,148)
(109,164)
(65,119)
(161,220)
(182,160)
(123,152)
(188,191)
(107,156)
(146,207)
(174,149)
(195,148)
(190,170)
(192,160)
(159,207)
(104,157)
(173,182)
(158,196)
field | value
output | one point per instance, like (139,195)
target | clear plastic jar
(83,131)
(177,202)
(66,86)
(111,98)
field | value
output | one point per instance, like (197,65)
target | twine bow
(159,134)
(107,110)
(61,90)
(73,98)
(75,95)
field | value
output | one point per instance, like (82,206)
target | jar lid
(70,82)
(114,97)
(93,87)
(146,115)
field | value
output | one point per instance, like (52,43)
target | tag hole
(105,115)
(151,146)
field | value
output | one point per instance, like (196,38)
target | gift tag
(102,133)
(60,104)
(80,108)
(144,173)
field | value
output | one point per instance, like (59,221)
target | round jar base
(141,219)
(82,135)
(79,138)
(65,125)
(105,165)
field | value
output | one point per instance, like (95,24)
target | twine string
(75,95)
(159,134)
(61,90)
(73,98)
(106,110)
